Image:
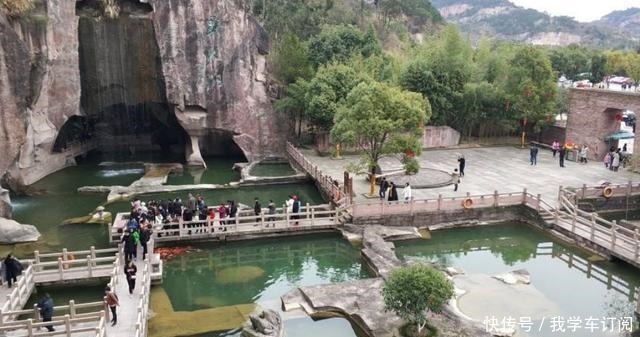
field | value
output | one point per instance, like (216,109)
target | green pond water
(498,249)
(57,199)
(214,275)
(260,272)
(272,170)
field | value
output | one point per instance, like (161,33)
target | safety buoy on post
(467,203)
(607,192)
(67,263)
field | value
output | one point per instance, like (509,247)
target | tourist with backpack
(112,301)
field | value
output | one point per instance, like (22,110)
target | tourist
(406,192)
(393,192)
(289,204)
(562,153)
(555,147)
(130,271)
(192,203)
(145,236)
(233,210)
(455,178)
(222,213)
(272,213)
(607,159)
(461,164)
(257,210)
(296,209)
(112,301)
(384,185)
(624,148)
(45,305)
(615,161)
(12,268)
(533,153)
(584,150)
(129,245)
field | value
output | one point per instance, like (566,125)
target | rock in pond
(12,231)
(263,323)
(519,276)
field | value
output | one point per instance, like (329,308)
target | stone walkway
(505,169)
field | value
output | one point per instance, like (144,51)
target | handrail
(327,184)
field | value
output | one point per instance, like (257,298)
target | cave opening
(123,94)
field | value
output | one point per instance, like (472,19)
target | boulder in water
(519,276)
(266,323)
(12,231)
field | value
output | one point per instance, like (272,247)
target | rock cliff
(46,81)
(214,62)
(212,59)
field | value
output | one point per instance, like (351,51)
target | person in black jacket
(393,192)
(145,236)
(45,305)
(257,210)
(130,271)
(461,164)
(384,185)
(12,268)
(129,245)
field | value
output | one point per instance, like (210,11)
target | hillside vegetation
(503,20)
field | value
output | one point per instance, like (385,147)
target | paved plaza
(505,169)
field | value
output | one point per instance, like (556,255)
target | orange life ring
(70,257)
(467,203)
(607,192)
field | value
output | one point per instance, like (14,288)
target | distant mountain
(502,19)
(627,21)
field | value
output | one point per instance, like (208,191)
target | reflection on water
(272,170)
(564,275)
(121,172)
(257,271)
(57,199)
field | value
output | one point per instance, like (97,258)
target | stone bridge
(592,116)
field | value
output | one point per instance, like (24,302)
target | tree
(411,292)
(439,73)
(598,68)
(294,103)
(291,60)
(339,43)
(380,120)
(326,92)
(531,88)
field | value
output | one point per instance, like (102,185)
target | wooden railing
(410,207)
(585,191)
(20,294)
(333,188)
(142,311)
(309,217)
(64,326)
(68,262)
(607,234)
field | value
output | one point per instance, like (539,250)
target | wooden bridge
(80,319)
(310,219)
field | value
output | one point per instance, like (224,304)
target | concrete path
(505,169)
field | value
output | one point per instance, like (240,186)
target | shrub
(411,165)
(412,291)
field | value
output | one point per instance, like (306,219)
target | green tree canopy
(531,86)
(411,292)
(442,67)
(327,90)
(339,43)
(291,60)
(380,119)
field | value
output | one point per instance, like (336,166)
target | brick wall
(592,117)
